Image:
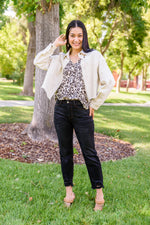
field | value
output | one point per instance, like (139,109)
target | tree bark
(145,80)
(120,75)
(109,40)
(29,71)
(128,82)
(145,76)
(142,80)
(129,76)
(110,37)
(47,29)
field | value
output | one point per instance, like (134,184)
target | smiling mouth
(76,44)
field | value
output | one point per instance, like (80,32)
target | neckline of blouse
(79,60)
(81,54)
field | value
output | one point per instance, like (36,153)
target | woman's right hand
(60,41)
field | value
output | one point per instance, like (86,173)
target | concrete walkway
(13,103)
(147,104)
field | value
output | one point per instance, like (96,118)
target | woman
(81,81)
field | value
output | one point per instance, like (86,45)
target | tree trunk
(47,29)
(128,82)
(129,76)
(145,76)
(142,80)
(120,75)
(137,82)
(145,80)
(29,71)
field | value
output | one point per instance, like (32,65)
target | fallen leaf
(26,150)
(40,160)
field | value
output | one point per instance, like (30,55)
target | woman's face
(76,38)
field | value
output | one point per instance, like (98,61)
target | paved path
(147,104)
(12,103)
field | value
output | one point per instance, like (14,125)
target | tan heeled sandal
(99,205)
(69,200)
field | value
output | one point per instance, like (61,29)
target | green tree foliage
(3,7)
(13,52)
(116,27)
(125,15)
(3,20)
(28,7)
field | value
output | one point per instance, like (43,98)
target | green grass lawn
(133,96)
(16,114)
(126,194)
(126,181)
(10,91)
(127,123)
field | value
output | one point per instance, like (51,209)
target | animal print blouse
(72,86)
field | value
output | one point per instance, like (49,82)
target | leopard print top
(72,86)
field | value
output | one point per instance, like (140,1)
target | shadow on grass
(10,91)
(128,97)
(16,114)
(127,123)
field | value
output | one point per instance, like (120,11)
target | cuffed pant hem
(68,184)
(97,187)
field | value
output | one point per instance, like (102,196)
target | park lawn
(128,123)
(16,114)
(133,96)
(10,91)
(33,193)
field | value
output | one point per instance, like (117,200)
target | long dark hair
(85,44)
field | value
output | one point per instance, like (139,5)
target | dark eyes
(74,35)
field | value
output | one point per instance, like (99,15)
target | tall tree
(138,63)
(3,7)
(47,29)
(28,9)
(129,75)
(144,76)
(12,51)
(29,71)
(108,18)
(111,12)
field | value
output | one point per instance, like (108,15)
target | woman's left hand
(91,112)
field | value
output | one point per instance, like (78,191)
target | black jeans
(69,115)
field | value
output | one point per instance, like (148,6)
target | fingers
(65,41)
(61,40)
(62,36)
(91,113)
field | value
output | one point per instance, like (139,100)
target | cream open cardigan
(97,76)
